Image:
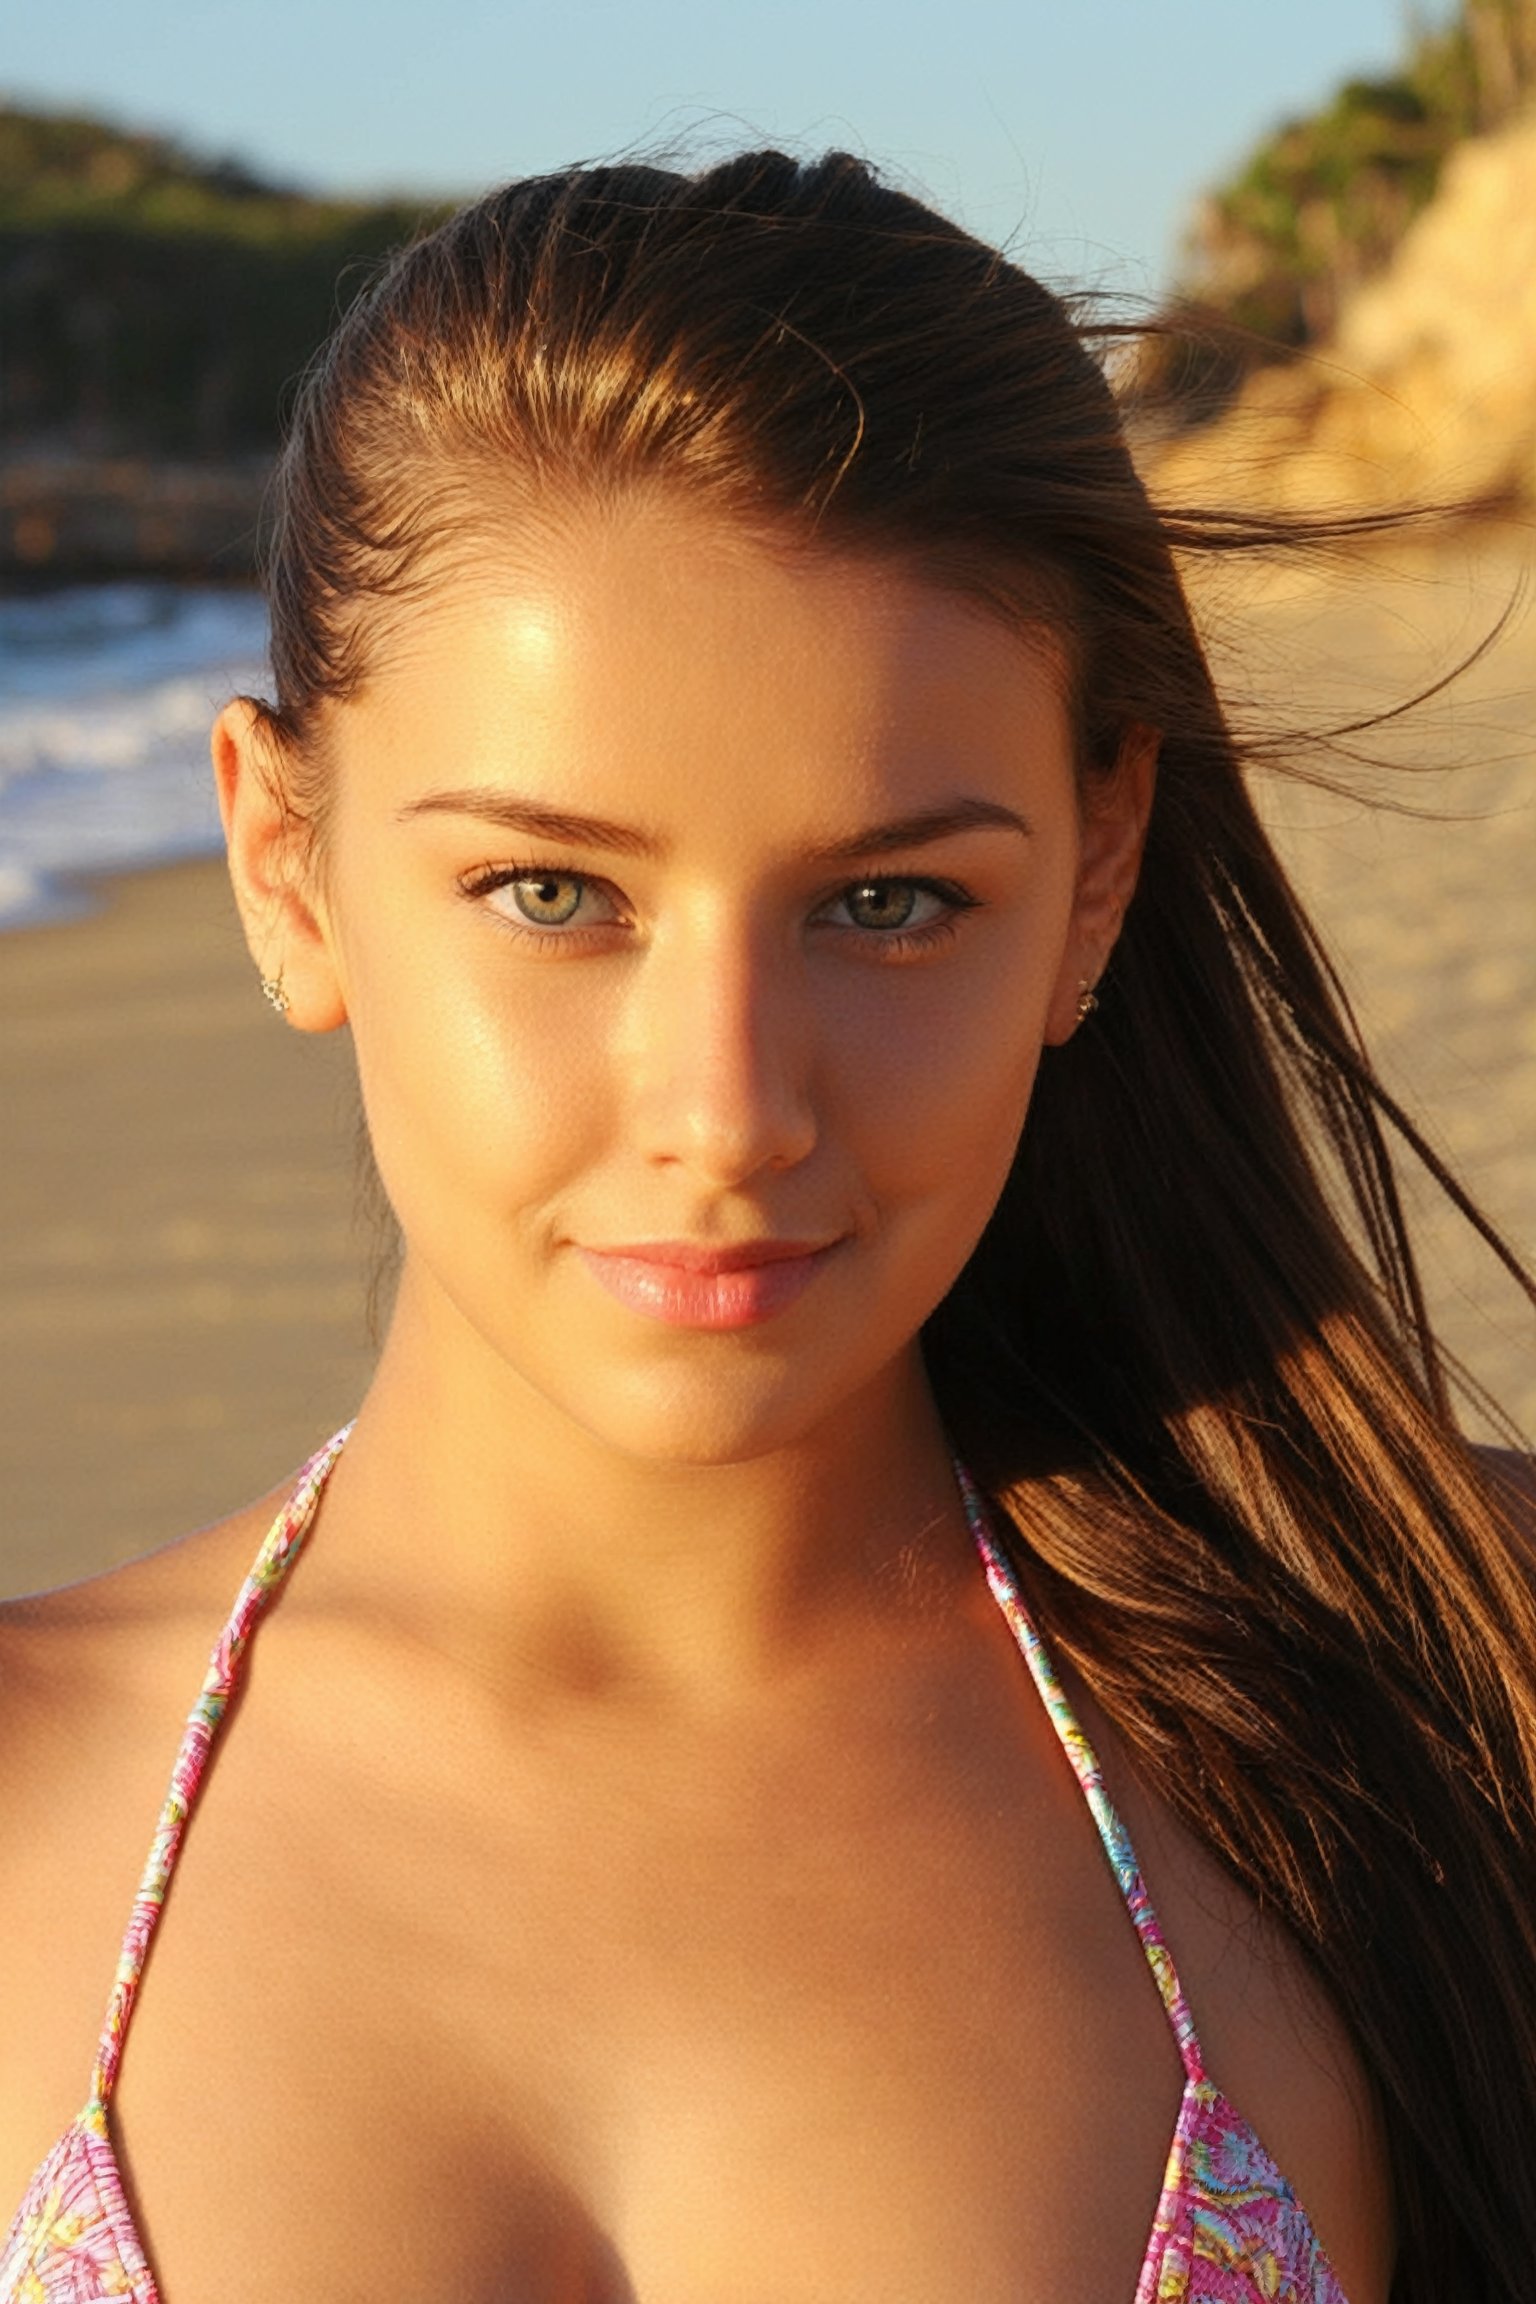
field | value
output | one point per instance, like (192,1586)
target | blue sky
(1078,129)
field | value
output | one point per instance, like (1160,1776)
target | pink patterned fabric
(1228,2229)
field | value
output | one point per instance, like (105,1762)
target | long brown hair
(1189,1356)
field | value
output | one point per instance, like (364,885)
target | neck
(477,1514)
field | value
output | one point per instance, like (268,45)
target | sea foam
(106,696)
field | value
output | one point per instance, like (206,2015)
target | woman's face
(701,910)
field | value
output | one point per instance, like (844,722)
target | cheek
(932,1093)
(474,1097)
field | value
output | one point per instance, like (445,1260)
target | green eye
(547,899)
(882,903)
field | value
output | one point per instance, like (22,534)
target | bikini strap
(1085,1767)
(279,1550)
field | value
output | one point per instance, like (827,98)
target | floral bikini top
(1228,2228)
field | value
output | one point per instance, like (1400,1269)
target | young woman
(907,1377)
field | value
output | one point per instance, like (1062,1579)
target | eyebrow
(514,813)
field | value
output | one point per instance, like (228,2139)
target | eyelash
(487,878)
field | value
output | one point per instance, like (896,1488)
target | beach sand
(182,1280)
(1424,886)
(182,1275)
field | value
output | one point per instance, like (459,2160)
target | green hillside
(152,302)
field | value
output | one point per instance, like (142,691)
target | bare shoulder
(88,1650)
(84,1669)
(95,1683)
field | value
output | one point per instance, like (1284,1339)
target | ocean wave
(106,696)
(90,638)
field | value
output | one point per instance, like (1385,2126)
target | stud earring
(1087,1000)
(272,989)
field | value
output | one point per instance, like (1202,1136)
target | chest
(752,2025)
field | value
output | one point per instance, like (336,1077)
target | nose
(719,1049)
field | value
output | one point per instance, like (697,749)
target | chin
(698,1419)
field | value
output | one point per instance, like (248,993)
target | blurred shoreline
(107,691)
(67,518)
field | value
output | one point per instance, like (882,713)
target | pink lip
(693,1286)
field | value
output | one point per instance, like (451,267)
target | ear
(283,916)
(1115,811)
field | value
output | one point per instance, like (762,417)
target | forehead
(651,653)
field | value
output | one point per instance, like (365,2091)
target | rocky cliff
(1426,393)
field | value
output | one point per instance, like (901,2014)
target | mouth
(690,1284)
